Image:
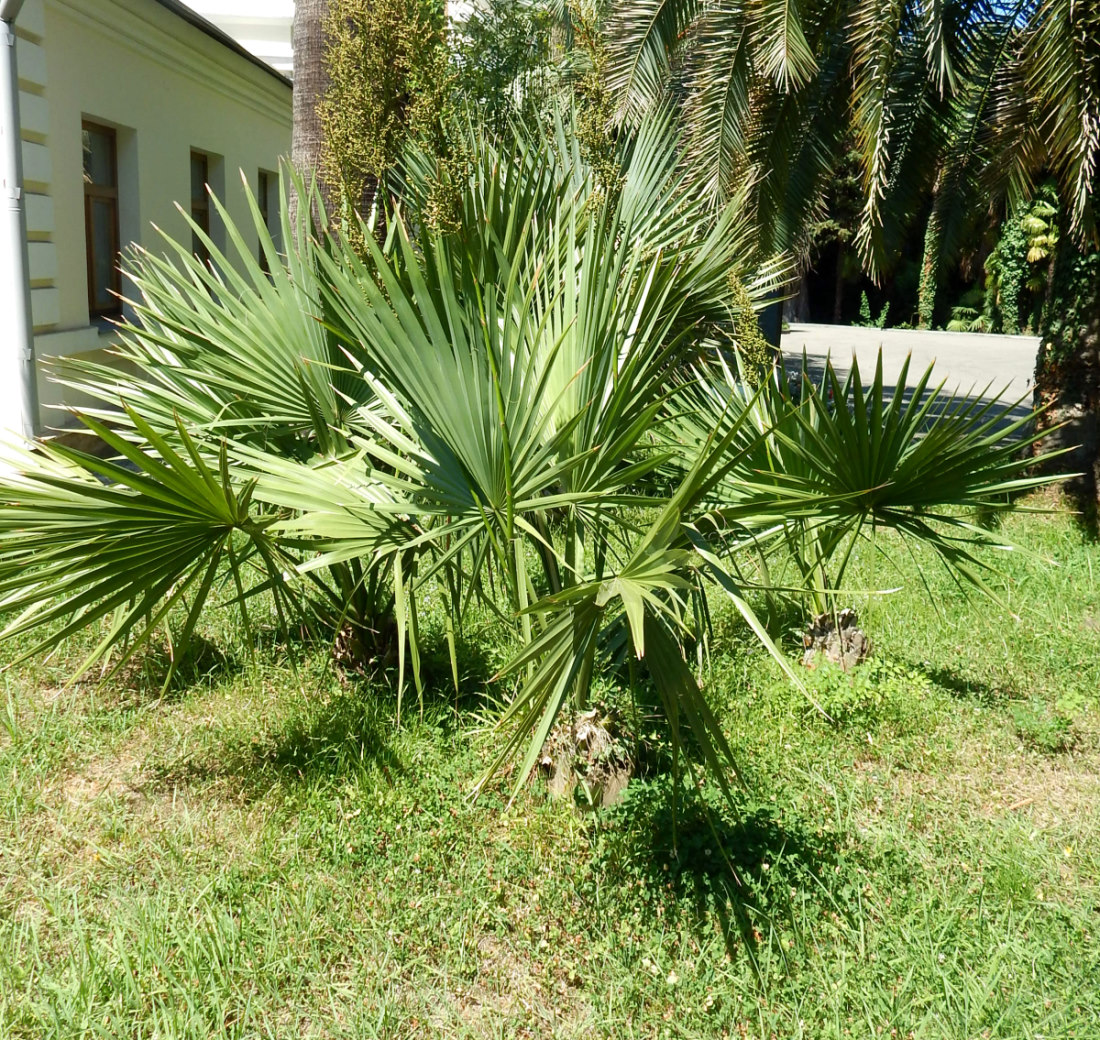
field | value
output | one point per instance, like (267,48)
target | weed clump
(879,691)
(1050,731)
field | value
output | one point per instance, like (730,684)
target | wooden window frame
(200,205)
(103,193)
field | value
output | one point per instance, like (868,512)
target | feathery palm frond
(771,90)
(640,70)
(1061,63)
(783,51)
(718,108)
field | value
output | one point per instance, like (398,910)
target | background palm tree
(930,93)
(956,110)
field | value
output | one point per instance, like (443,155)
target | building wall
(167,88)
(30,56)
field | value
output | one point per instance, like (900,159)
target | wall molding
(150,41)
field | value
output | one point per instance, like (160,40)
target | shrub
(527,409)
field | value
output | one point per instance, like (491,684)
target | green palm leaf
(235,346)
(784,52)
(129,540)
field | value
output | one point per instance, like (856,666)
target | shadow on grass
(307,722)
(963,687)
(1083,504)
(332,737)
(345,735)
(760,879)
(203,664)
(784,616)
(346,727)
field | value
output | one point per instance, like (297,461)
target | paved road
(970,362)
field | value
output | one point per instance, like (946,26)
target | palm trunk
(310,84)
(797,308)
(838,285)
(1067,372)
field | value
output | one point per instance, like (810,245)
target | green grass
(262,854)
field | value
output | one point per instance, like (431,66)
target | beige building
(127,108)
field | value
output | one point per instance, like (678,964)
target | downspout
(17,373)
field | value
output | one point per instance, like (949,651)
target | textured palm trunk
(838,286)
(310,84)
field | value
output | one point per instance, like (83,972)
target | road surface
(976,364)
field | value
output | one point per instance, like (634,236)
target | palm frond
(1062,59)
(876,46)
(128,540)
(235,346)
(782,50)
(644,38)
(720,71)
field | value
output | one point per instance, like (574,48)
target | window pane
(103,253)
(198,178)
(201,216)
(99,164)
(263,197)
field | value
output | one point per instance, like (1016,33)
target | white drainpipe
(18,389)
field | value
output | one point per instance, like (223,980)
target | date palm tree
(950,95)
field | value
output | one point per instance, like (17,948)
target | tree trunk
(310,84)
(838,286)
(770,321)
(1067,373)
(796,308)
(929,273)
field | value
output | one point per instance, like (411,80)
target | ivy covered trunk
(929,274)
(1067,372)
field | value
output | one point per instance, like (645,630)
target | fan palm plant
(232,352)
(499,411)
(912,459)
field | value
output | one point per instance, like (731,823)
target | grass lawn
(262,854)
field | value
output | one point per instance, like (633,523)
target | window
(101,219)
(267,186)
(200,203)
